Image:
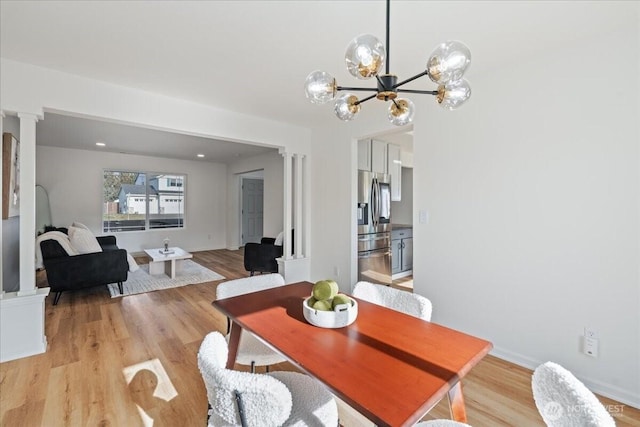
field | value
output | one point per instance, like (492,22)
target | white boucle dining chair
(564,401)
(395,299)
(251,351)
(260,400)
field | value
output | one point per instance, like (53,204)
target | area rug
(141,281)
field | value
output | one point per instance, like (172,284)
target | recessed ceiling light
(100,144)
(200,155)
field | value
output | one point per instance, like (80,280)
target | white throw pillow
(279,239)
(58,236)
(80,225)
(83,240)
(133,265)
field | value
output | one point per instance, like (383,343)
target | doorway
(401,145)
(252,208)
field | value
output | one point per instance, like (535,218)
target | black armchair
(261,257)
(67,273)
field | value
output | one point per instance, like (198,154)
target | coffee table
(169,264)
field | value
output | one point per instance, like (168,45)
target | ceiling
(253,56)
(81,133)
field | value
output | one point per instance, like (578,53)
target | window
(142,200)
(174,182)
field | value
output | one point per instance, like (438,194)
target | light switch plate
(423,217)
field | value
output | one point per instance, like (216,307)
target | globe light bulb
(365,56)
(401,112)
(453,95)
(320,87)
(346,107)
(448,62)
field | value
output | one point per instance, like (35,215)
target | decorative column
(306,206)
(27,159)
(287,208)
(297,267)
(1,257)
(22,312)
(300,232)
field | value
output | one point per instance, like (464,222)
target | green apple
(322,305)
(340,299)
(323,290)
(334,286)
(311,301)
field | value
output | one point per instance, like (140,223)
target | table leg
(234,341)
(178,266)
(456,403)
(170,268)
(156,267)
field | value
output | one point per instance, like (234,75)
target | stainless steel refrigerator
(374,227)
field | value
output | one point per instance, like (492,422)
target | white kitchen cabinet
(382,157)
(379,156)
(394,168)
(402,251)
(364,155)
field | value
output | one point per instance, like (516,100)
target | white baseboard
(616,393)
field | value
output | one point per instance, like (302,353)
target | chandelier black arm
(366,99)
(362,89)
(424,92)
(410,79)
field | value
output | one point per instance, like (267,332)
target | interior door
(252,210)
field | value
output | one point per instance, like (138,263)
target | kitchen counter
(401,226)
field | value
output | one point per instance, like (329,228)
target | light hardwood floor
(106,357)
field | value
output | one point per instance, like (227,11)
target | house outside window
(136,201)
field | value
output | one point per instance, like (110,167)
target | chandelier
(365,56)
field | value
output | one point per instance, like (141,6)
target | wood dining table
(390,367)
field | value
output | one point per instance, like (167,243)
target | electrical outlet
(590,342)
(590,333)
(590,347)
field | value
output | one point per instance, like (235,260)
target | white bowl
(343,316)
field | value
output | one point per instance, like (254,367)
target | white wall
(333,176)
(533,195)
(273,166)
(402,211)
(73,179)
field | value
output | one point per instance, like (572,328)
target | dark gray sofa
(67,273)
